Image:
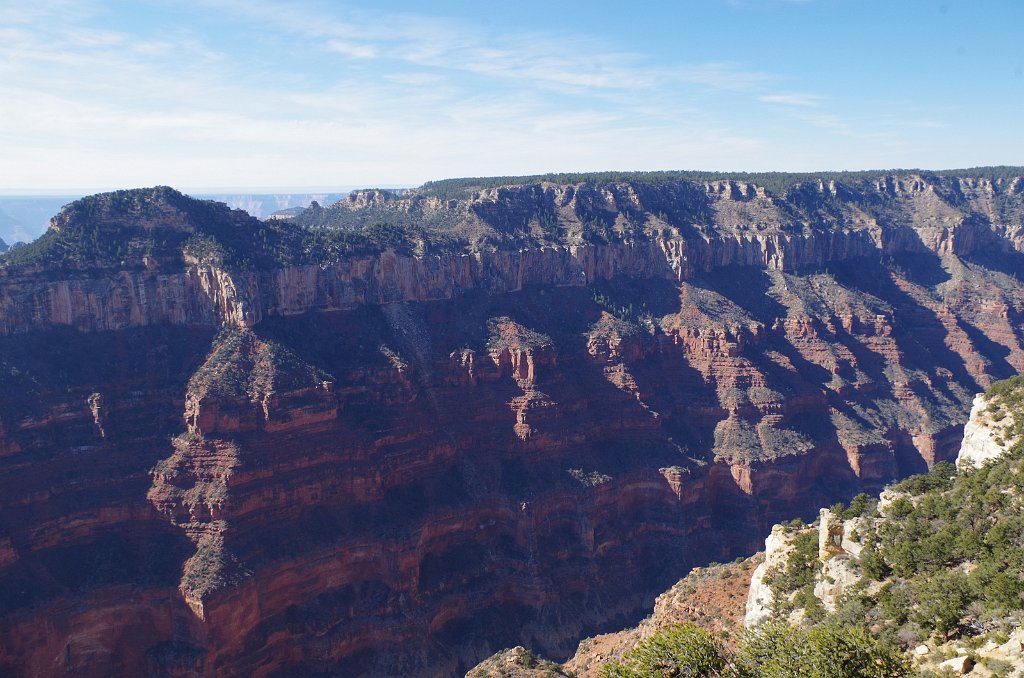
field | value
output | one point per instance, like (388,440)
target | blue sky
(254,94)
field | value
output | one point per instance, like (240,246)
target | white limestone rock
(760,599)
(983,436)
(838,576)
(960,666)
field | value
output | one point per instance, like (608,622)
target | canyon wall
(736,224)
(398,463)
(205,295)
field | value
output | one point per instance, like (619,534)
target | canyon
(236,447)
(831,575)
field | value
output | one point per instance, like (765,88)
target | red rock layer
(405,489)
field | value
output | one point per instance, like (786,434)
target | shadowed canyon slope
(396,434)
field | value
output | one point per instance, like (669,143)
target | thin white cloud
(45,10)
(802,100)
(555,58)
(860,131)
(415,79)
(723,75)
(353,49)
(830,122)
(325,95)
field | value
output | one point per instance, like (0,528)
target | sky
(253,94)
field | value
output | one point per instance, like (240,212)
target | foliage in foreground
(949,552)
(775,650)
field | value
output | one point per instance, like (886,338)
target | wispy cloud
(802,100)
(353,49)
(830,122)
(858,130)
(441,97)
(552,57)
(319,93)
(723,75)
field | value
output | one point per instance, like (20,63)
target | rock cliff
(401,433)
(171,259)
(988,434)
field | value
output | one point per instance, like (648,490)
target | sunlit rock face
(986,434)
(220,456)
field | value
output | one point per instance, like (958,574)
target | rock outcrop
(987,434)
(223,455)
(838,547)
(760,597)
(711,597)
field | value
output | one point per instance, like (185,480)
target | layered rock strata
(676,232)
(396,464)
(207,295)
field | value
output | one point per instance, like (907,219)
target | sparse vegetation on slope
(160,226)
(775,650)
(241,364)
(776,182)
(940,560)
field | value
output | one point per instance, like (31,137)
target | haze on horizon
(103,94)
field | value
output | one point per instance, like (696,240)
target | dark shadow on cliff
(916,328)
(1008,261)
(921,338)
(745,286)
(92,481)
(150,557)
(994,352)
(921,268)
(62,363)
(589,470)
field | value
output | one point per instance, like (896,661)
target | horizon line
(190,190)
(347,188)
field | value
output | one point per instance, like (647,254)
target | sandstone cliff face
(206,295)
(395,464)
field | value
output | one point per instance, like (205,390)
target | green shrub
(685,650)
(941,599)
(801,568)
(778,650)
(861,505)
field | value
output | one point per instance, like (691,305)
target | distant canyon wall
(203,295)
